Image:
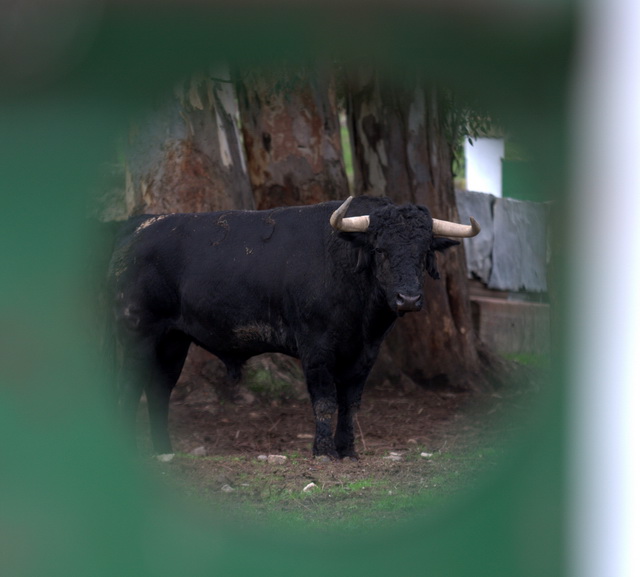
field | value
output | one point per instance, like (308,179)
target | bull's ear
(361,242)
(432,266)
(364,260)
(439,244)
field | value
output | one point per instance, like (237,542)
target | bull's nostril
(408,302)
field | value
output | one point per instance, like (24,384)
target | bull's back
(234,281)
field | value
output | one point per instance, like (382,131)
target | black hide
(242,283)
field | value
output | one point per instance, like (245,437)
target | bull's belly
(245,340)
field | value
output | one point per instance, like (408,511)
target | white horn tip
(339,213)
(474,226)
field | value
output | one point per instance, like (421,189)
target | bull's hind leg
(170,355)
(130,383)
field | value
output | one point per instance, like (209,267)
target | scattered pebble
(394,456)
(227,489)
(276,459)
(199,452)
(166,457)
(304,436)
(426,455)
(262,457)
(309,487)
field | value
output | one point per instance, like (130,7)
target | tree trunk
(187,156)
(292,138)
(400,150)
(294,156)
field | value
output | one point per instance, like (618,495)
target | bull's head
(398,243)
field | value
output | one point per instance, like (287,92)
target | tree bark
(291,133)
(187,156)
(400,150)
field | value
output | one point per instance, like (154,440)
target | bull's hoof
(323,458)
(353,457)
(347,451)
(325,448)
(165,457)
(327,455)
(349,455)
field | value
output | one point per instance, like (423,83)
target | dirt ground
(410,442)
(389,420)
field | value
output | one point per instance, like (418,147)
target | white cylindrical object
(604,476)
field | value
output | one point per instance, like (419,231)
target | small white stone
(310,487)
(426,455)
(227,489)
(276,459)
(199,452)
(394,457)
(166,457)
(262,457)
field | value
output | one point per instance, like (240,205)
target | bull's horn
(453,229)
(351,224)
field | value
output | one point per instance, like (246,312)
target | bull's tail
(105,325)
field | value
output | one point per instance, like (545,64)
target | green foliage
(347,153)
(465,119)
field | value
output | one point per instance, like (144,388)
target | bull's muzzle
(408,303)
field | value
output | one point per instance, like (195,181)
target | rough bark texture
(400,150)
(187,156)
(291,132)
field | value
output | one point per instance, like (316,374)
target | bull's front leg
(348,405)
(323,399)
(323,444)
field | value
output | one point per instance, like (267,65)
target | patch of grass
(532,360)
(266,384)
(350,498)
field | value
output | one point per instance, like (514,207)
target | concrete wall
(509,257)
(512,327)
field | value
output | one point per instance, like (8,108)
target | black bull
(242,283)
